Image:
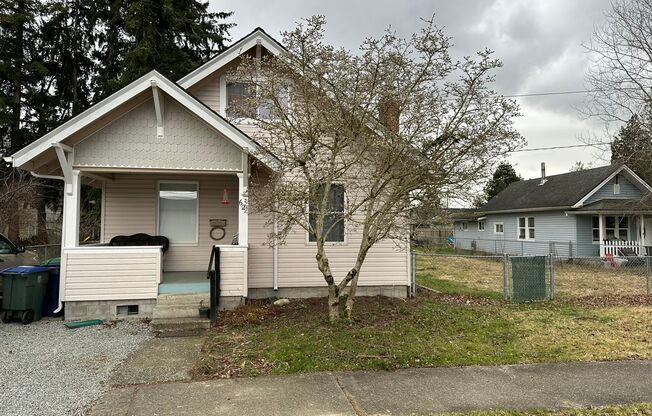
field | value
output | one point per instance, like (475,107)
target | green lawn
(432,330)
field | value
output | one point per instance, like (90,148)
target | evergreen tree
(171,36)
(502,177)
(632,145)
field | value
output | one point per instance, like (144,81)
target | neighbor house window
(480,225)
(178,212)
(499,228)
(526,228)
(615,228)
(334,219)
(465,226)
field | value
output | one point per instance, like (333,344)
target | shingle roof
(559,190)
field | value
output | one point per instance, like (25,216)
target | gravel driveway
(47,369)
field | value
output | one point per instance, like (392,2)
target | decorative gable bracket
(158,107)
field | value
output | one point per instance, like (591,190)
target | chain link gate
(528,278)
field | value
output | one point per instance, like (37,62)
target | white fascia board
(256,37)
(143,83)
(610,177)
(37,147)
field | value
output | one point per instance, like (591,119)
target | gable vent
(616,187)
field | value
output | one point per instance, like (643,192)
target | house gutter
(510,211)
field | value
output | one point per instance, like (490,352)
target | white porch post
(601,221)
(243,201)
(641,233)
(71,203)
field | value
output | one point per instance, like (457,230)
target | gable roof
(257,36)
(564,191)
(124,95)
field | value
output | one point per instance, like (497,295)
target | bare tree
(363,139)
(620,76)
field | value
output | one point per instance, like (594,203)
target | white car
(12,256)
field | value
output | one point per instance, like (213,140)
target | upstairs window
(236,95)
(334,219)
(526,228)
(480,225)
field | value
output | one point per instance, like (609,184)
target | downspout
(275,255)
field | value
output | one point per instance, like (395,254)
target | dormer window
(616,187)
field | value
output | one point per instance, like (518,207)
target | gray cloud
(539,43)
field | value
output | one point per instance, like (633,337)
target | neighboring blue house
(600,211)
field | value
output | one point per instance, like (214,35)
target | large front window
(526,228)
(334,217)
(178,211)
(615,228)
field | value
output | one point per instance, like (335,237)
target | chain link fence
(45,251)
(525,278)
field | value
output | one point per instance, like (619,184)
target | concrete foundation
(108,309)
(320,292)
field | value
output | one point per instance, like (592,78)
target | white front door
(648,232)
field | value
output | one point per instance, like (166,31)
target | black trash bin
(24,289)
(51,299)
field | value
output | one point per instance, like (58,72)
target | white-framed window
(178,211)
(481,225)
(615,228)
(334,220)
(525,228)
(234,95)
(465,226)
(499,228)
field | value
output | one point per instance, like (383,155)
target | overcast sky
(539,42)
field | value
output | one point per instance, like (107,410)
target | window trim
(616,228)
(158,212)
(527,228)
(503,227)
(484,226)
(345,241)
(224,100)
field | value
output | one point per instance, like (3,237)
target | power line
(559,147)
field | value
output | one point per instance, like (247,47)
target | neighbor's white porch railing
(614,248)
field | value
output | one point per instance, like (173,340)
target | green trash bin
(24,289)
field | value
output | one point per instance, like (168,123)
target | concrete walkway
(403,392)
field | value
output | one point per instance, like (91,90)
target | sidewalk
(402,392)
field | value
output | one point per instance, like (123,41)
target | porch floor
(183,282)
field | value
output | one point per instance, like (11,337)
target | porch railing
(615,248)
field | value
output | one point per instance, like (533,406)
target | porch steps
(179,327)
(177,315)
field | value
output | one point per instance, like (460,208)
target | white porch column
(243,201)
(641,233)
(601,221)
(71,200)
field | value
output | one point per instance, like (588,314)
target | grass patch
(478,276)
(627,410)
(432,330)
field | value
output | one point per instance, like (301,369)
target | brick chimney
(388,113)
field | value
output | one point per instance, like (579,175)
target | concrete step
(183,299)
(175,311)
(179,327)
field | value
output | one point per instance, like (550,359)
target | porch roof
(37,155)
(619,206)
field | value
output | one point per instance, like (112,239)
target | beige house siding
(233,267)
(110,273)
(131,203)
(131,142)
(208,91)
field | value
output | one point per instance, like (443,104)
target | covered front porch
(618,234)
